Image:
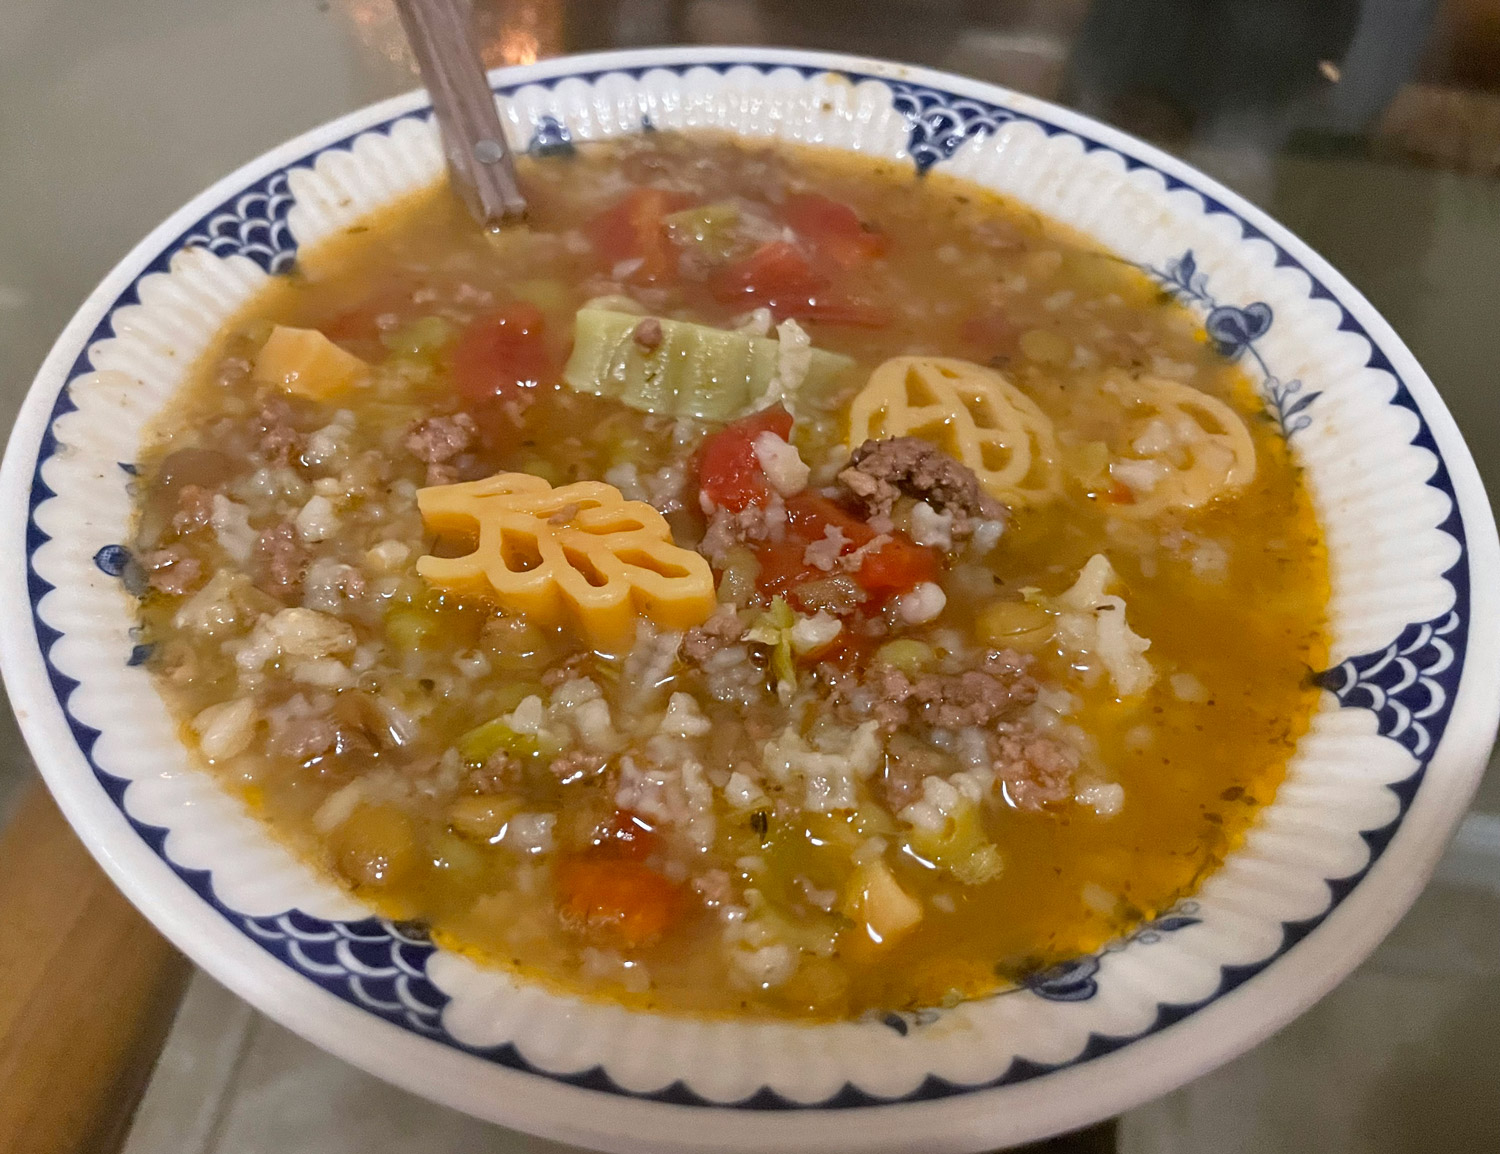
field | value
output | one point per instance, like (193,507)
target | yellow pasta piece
(578,554)
(305,362)
(972,413)
(1185,448)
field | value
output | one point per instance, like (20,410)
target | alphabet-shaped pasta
(972,413)
(580,554)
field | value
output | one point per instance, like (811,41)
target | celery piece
(961,848)
(737,581)
(410,628)
(616,303)
(454,856)
(709,228)
(1014,623)
(1089,463)
(774,628)
(907,654)
(552,473)
(419,338)
(686,369)
(549,295)
(511,694)
(482,742)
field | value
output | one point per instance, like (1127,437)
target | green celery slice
(695,371)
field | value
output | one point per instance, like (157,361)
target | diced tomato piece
(993,332)
(1121,494)
(811,513)
(616,901)
(635,229)
(627,835)
(358,326)
(782,568)
(774,272)
(851,312)
(354,325)
(779,277)
(729,473)
(503,353)
(895,567)
(833,229)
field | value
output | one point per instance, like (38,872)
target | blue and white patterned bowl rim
(1418,686)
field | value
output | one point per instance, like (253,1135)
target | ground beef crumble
(576,764)
(280,559)
(719,632)
(195,508)
(172,570)
(277,437)
(1034,770)
(499,772)
(879,472)
(976,697)
(753,524)
(438,441)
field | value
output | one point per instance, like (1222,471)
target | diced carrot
(616,901)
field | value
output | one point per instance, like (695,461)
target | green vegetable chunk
(707,227)
(483,741)
(688,370)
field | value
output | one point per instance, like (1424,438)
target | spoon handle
(479,158)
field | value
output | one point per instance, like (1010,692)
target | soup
(766,583)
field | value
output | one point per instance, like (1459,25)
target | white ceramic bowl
(1372,794)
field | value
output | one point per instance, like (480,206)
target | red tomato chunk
(635,229)
(502,353)
(778,276)
(895,567)
(833,229)
(729,473)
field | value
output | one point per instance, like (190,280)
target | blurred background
(1370,127)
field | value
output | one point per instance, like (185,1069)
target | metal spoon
(479,160)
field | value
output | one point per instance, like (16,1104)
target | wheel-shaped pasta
(1185,450)
(972,413)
